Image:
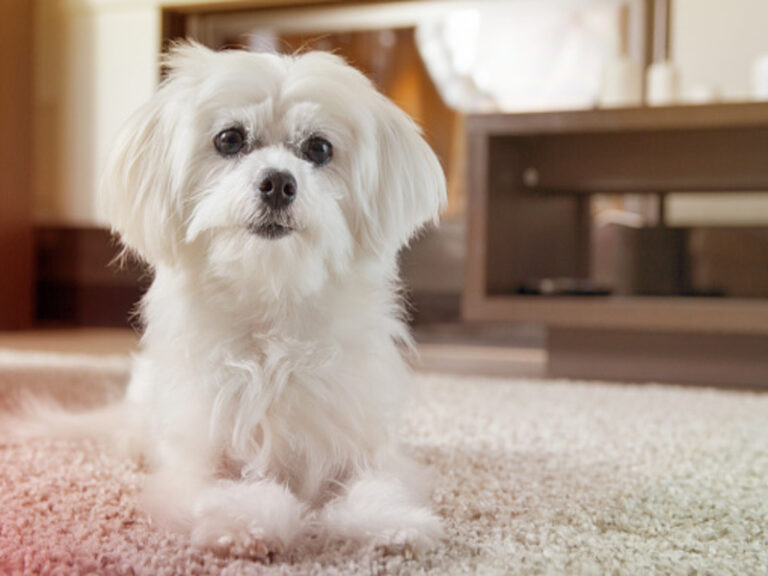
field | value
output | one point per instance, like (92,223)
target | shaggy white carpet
(533,477)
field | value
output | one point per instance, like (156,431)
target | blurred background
(607,165)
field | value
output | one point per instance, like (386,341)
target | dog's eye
(230,141)
(317,150)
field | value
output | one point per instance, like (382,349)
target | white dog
(271,194)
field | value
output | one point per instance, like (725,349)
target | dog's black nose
(278,189)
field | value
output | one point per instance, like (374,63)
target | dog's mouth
(270,230)
(272,224)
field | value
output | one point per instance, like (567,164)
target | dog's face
(274,171)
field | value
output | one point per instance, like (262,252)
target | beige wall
(715,42)
(97,61)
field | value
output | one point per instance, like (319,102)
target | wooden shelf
(626,313)
(642,119)
(530,177)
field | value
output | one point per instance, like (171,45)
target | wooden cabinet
(530,178)
(530,181)
(16,270)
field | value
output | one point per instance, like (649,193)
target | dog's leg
(384,509)
(246,518)
(250,518)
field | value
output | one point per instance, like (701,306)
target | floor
(494,352)
(531,477)
(97,341)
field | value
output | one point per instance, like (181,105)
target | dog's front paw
(421,534)
(228,538)
(254,520)
(240,543)
(385,513)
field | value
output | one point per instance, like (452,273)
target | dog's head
(259,166)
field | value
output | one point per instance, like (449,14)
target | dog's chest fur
(308,407)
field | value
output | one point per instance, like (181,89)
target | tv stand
(530,181)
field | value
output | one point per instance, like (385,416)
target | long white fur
(270,373)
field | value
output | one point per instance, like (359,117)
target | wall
(96,62)
(715,42)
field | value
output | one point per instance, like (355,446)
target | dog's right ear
(138,188)
(141,189)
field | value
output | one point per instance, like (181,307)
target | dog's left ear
(410,184)
(141,188)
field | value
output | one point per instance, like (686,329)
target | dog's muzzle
(277,190)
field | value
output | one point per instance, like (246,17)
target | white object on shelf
(760,78)
(661,84)
(622,79)
(622,84)
(703,94)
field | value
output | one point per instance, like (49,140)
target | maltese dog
(271,195)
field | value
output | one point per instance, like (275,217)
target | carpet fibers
(533,477)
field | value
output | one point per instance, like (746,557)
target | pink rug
(534,477)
